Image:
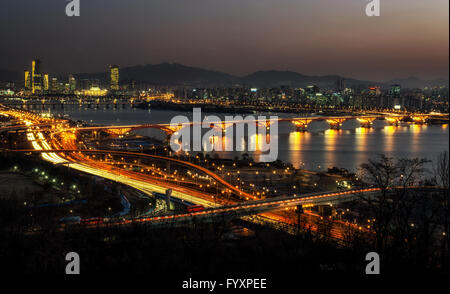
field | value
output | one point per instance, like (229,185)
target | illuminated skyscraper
(27,80)
(35,64)
(114,75)
(72,83)
(55,85)
(46,82)
(36,78)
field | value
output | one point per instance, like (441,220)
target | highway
(72,157)
(213,209)
(40,144)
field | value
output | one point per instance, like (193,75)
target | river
(317,149)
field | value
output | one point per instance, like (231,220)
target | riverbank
(237,109)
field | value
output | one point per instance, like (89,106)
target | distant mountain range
(413,82)
(177,74)
(167,74)
(275,78)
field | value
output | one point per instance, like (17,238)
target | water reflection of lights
(219,143)
(389,137)
(361,138)
(330,144)
(296,142)
(298,139)
(330,137)
(416,130)
(259,142)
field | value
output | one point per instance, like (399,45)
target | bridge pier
(265,125)
(394,123)
(420,120)
(394,120)
(335,126)
(301,125)
(366,122)
(325,210)
(168,167)
(336,123)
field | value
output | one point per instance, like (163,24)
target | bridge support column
(168,167)
(265,125)
(419,119)
(168,136)
(394,120)
(336,124)
(301,124)
(325,210)
(366,122)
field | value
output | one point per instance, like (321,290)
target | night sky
(314,37)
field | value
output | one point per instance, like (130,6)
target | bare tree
(441,170)
(441,173)
(393,179)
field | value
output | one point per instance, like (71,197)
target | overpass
(245,208)
(249,208)
(206,171)
(25,127)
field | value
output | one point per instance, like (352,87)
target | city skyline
(225,144)
(236,41)
(272,74)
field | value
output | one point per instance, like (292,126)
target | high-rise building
(340,86)
(84,84)
(55,85)
(95,83)
(36,78)
(72,83)
(35,64)
(374,91)
(46,84)
(396,90)
(114,76)
(27,80)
